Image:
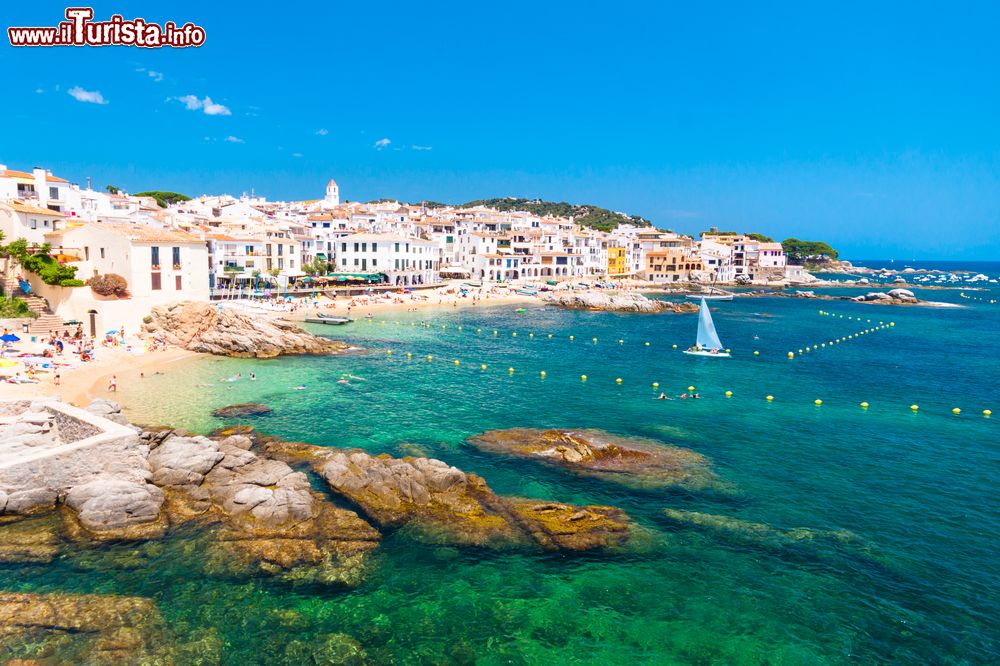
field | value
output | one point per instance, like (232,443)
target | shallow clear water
(918,488)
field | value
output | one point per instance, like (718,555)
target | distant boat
(713,295)
(707,342)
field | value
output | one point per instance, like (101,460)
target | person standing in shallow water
(113,384)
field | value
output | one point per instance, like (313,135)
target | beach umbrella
(9,337)
(112,332)
(7,363)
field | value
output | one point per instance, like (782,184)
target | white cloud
(89,96)
(296,154)
(156,76)
(234,139)
(39,91)
(322,131)
(422,147)
(382,143)
(192,103)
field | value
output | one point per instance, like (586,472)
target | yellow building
(617,264)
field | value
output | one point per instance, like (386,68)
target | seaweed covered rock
(759,534)
(440,503)
(85,629)
(634,462)
(241,410)
(202,327)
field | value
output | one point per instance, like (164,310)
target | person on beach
(56,378)
(113,384)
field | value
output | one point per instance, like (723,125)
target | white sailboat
(707,342)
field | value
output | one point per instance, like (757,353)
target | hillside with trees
(586,215)
(163,199)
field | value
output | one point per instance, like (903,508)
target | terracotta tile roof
(145,234)
(22,207)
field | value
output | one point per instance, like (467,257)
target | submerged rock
(201,327)
(241,410)
(442,504)
(84,629)
(29,540)
(632,462)
(759,534)
(614,301)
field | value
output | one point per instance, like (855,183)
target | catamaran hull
(707,353)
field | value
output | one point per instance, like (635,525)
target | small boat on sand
(712,295)
(707,343)
(328,319)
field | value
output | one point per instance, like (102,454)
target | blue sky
(876,128)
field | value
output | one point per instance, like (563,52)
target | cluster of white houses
(217,244)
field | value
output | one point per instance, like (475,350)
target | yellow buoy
(460,327)
(494,332)
(690,388)
(987,412)
(618,381)
(409,355)
(583,378)
(791,354)
(647,344)
(956,411)
(550,336)
(457,362)
(728,351)
(479,330)
(621,342)
(864,405)
(656,384)
(674,346)
(892,323)
(510,370)
(595,340)
(531,335)
(817,402)
(571,337)
(729,394)
(756,353)
(770,398)
(482,366)
(388,352)
(430,358)
(822,344)
(514,334)
(914,407)
(542,373)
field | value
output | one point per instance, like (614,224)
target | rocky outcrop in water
(893,296)
(629,461)
(202,327)
(614,301)
(443,504)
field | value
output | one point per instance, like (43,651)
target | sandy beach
(81,384)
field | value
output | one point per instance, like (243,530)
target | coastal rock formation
(258,516)
(201,327)
(893,296)
(615,301)
(629,461)
(241,410)
(268,518)
(443,504)
(759,534)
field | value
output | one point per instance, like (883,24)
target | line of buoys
(976,298)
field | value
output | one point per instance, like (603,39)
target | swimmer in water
(298,388)
(253,377)
(343,381)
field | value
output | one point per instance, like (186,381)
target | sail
(707,337)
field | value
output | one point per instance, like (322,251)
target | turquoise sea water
(918,488)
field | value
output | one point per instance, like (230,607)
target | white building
(332,198)
(405,261)
(19,219)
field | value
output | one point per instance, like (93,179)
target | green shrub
(13,308)
(72,282)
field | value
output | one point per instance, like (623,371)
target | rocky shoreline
(615,301)
(202,327)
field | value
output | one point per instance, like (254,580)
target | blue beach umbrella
(10,337)
(112,332)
